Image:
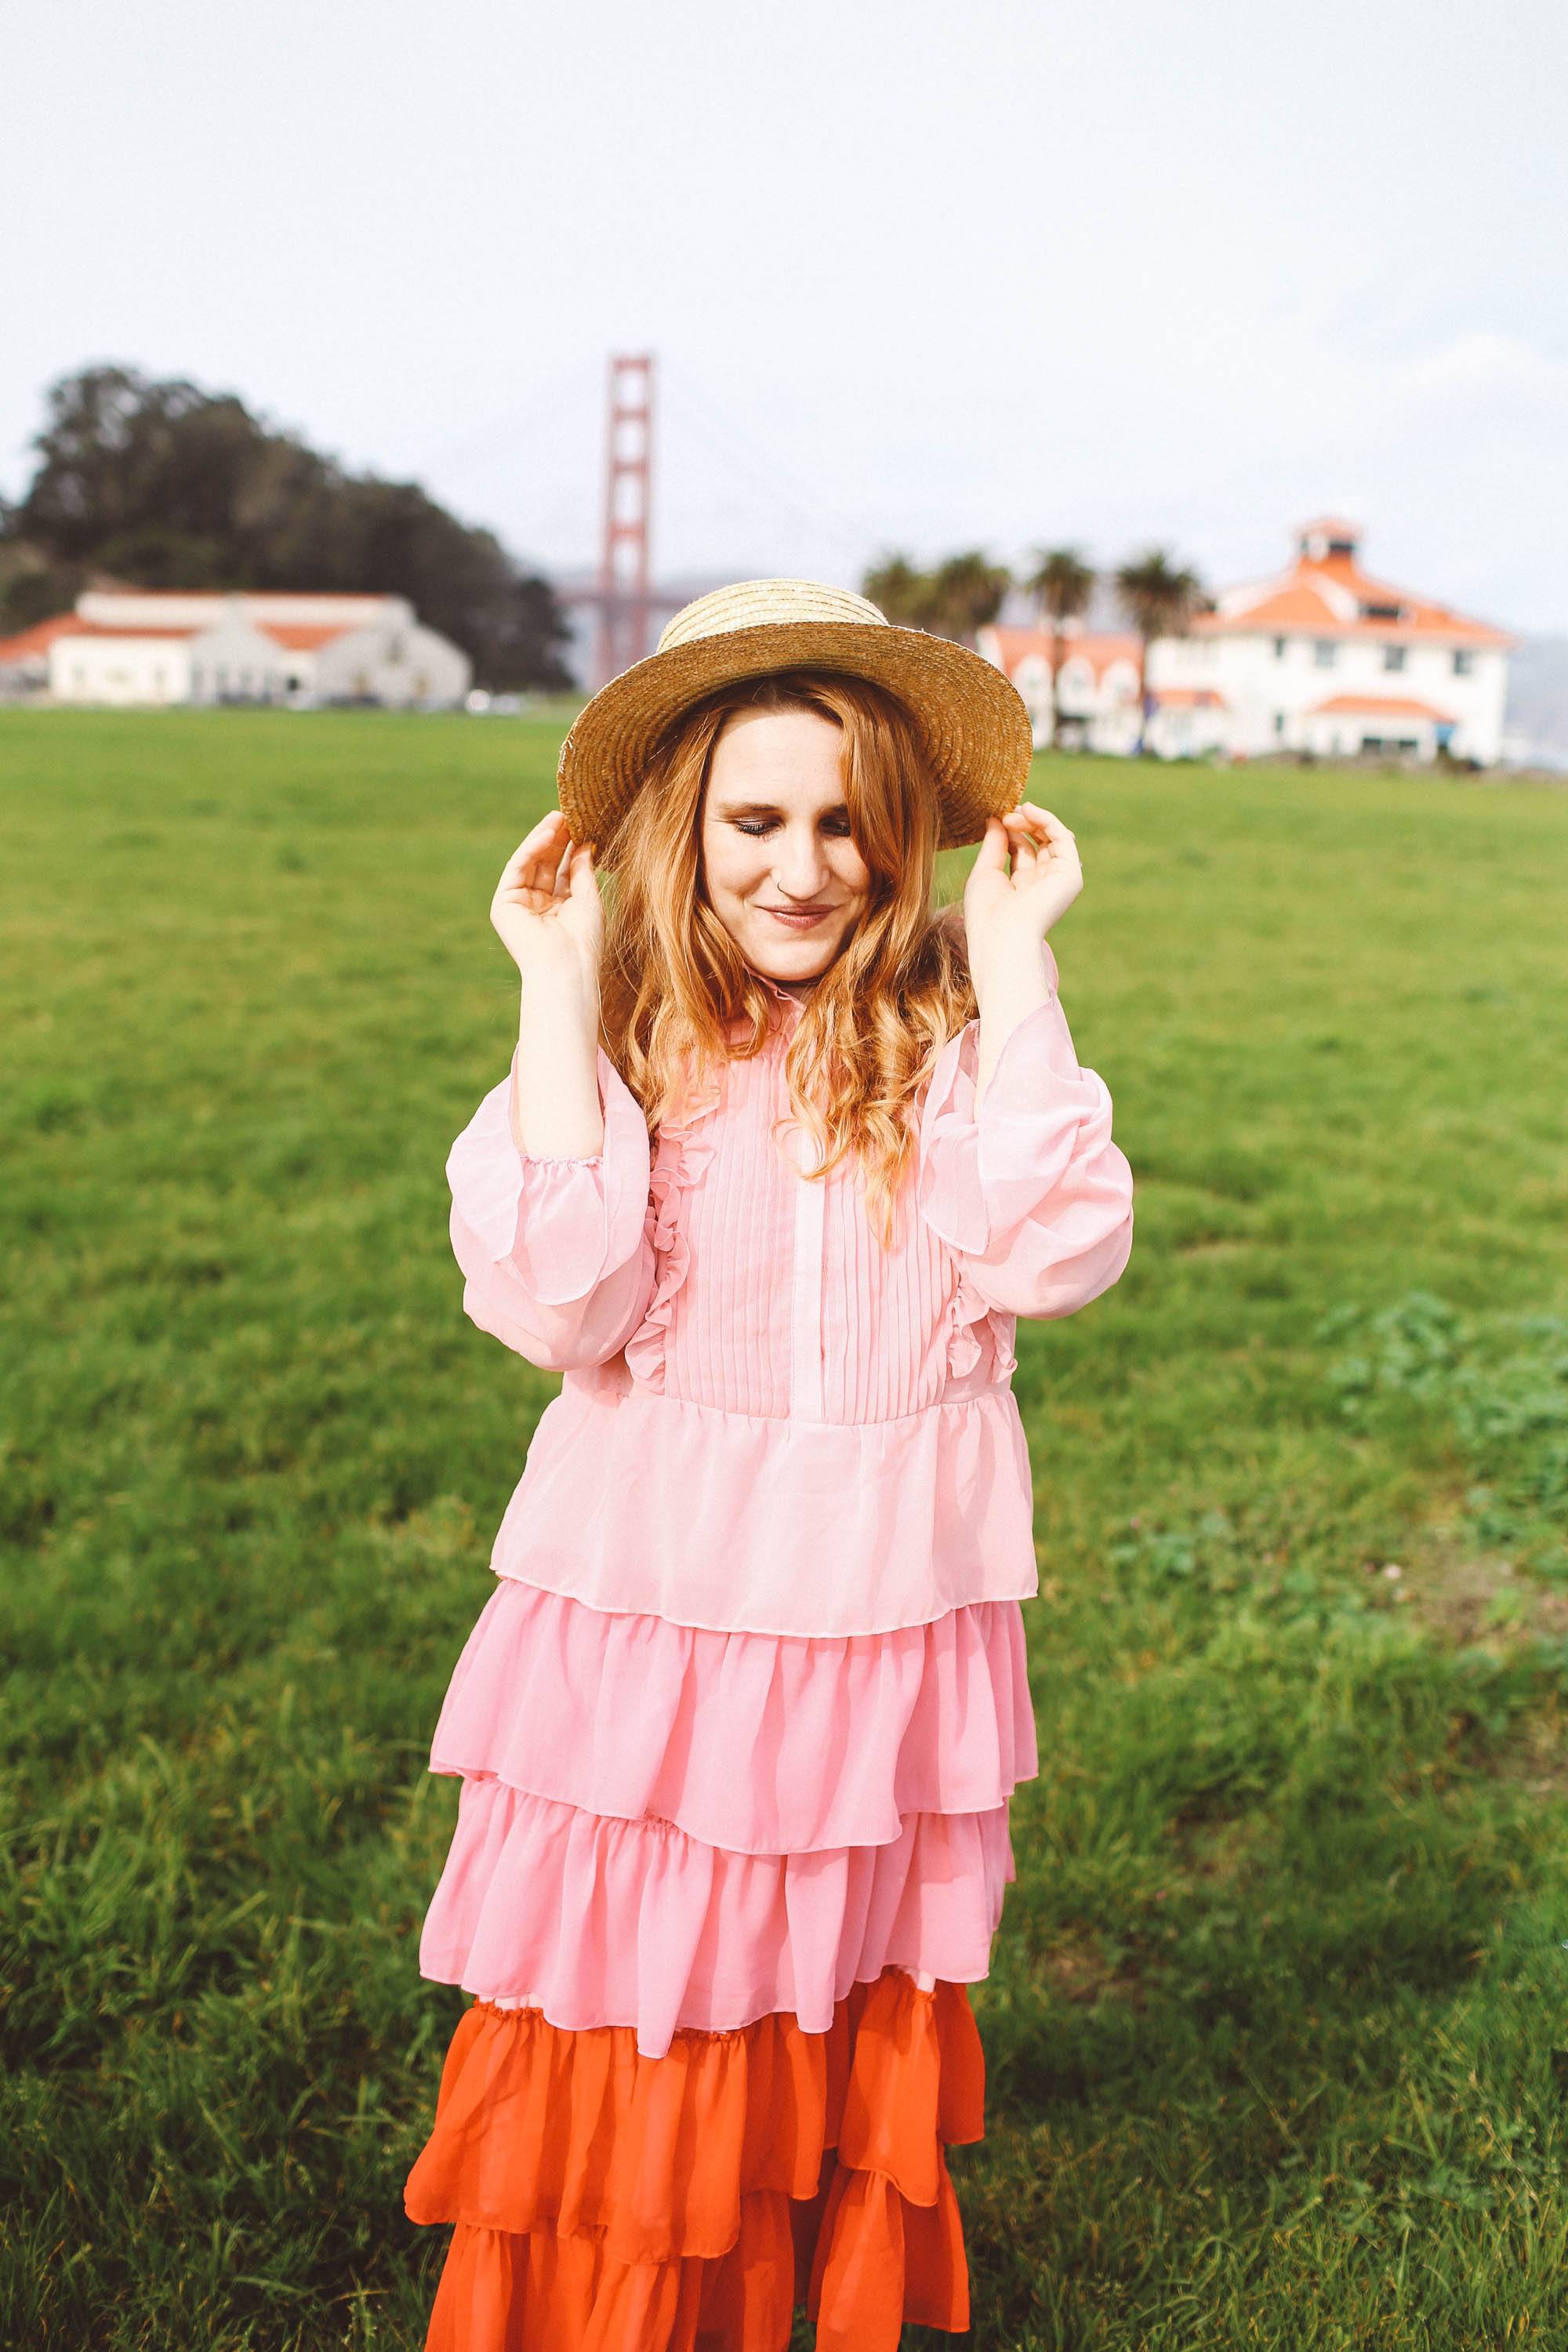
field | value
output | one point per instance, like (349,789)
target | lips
(798,919)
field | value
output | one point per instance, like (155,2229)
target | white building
(1321,659)
(123,646)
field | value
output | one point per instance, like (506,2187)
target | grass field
(1278,2026)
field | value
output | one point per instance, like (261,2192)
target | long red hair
(679,1000)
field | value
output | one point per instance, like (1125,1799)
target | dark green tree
(901,591)
(1159,600)
(165,485)
(954,600)
(968,592)
(1064,584)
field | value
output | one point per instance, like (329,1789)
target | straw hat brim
(974,722)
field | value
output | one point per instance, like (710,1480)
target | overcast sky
(918,275)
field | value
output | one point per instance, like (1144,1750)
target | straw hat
(975,727)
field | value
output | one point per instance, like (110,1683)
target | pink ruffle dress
(738,1726)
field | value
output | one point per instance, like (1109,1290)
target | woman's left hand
(1006,914)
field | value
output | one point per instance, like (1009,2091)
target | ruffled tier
(607,1922)
(637,1502)
(689,2202)
(840,1739)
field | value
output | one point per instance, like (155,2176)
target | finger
(580,872)
(541,839)
(992,856)
(535,856)
(1042,822)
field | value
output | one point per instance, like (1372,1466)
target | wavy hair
(679,1000)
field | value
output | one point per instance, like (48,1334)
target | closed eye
(836,824)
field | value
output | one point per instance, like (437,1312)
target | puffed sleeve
(1029,1190)
(556,1259)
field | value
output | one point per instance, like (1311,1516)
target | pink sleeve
(554,1252)
(1030,1191)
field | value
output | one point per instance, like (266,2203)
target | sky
(917,277)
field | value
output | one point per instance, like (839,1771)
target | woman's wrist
(556,995)
(555,1109)
(1009,970)
(1011,981)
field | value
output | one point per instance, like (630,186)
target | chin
(808,961)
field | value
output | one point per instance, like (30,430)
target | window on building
(1464,663)
(1394,657)
(1324,653)
(1380,612)
(1280,723)
(195,682)
(1280,644)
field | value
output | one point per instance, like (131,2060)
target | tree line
(964,593)
(162,485)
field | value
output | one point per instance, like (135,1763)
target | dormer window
(1319,542)
(1382,612)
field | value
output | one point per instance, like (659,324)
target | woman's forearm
(555,1099)
(1010,986)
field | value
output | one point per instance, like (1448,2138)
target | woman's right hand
(547,908)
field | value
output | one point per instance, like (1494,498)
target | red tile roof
(44,633)
(1379,706)
(37,639)
(1189,698)
(1330,597)
(295,637)
(300,638)
(1097,649)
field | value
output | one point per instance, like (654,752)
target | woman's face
(779,869)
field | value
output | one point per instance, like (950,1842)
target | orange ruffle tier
(606,2202)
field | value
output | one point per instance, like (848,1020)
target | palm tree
(1064,584)
(1158,601)
(967,592)
(902,592)
(958,597)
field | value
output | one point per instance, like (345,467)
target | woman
(739,1725)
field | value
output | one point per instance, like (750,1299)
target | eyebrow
(771,808)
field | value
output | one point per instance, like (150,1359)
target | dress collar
(790,1008)
(782,997)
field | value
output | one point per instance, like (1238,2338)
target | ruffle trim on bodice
(688,2204)
(680,1156)
(755,1742)
(968,1314)
(608,1922)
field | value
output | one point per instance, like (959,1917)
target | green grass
(1277,2030)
